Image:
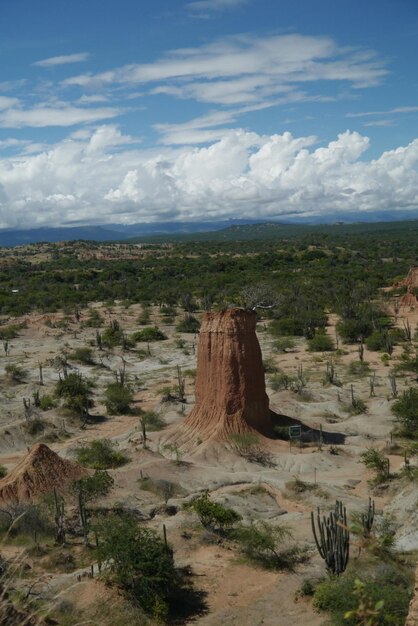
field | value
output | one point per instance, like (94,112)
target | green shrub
(262,543)
(213,515)
(406,411)
(321,343)
(3,471)
(376,461)
(75,391)
(287,326)
(83,355)
(248,446)
(100,454)
(359,368)
(46,403)
(112,335)
(283,344)
(94,319)
(16,373)
(152,420)
(118,399)
(138,560)
(11,331)
(189,324)
(387,584)
(149,334)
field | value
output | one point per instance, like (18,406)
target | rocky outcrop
(230,388)
(40,470)
(409,299)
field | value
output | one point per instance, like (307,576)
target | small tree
(213,515)
(138,560)
(376,461)
(118,399)
(86,490)
(406,410)
(75,391)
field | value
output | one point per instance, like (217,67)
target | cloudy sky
(139,110)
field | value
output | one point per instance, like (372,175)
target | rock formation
(230,388)
(409,299)
(38,473)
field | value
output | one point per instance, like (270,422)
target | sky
(197,110)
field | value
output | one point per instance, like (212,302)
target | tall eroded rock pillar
(230,388)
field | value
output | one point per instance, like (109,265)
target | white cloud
(244,69)
(63,59)
(95,177)
(6,102)
(404,109)
(48,115)
(205,7)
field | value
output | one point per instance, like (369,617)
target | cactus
(393,385)
(367,519)
(59,520)
(372,380)
(332,538)
(181,385)
(361,351)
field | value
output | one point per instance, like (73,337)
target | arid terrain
(282,489)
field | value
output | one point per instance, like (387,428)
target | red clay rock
(409,299)
(230,388)
(38,473)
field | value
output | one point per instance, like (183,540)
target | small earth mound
(39,472)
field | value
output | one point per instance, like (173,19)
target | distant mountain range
(217,230)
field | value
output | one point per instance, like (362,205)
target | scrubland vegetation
(99,362)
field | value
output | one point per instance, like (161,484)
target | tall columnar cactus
(367,519)
(332,538)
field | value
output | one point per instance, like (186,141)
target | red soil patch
(39,472)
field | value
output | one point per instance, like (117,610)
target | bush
(112,335)
(139,561)
(118,399)
(287,326)
(75,391)
(283,344)
(149,334)
(16,373)
(388,585)
(83,355)
(46,403)
(152,421)
(321,343)
(359,368)
(94,320)
(213,515)
(100,454)
(3,471)
(376,461)
(262,542)
(406,410)
(190,324)
(248,446)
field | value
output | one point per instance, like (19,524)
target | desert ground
(232,590)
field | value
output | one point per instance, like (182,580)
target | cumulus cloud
(63,59)
(244,69)
(99,177)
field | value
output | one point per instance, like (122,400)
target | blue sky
(147,111)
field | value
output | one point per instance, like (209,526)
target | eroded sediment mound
(38,473)
(230,388)
(409,299)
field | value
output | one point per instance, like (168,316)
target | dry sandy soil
(235,592)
